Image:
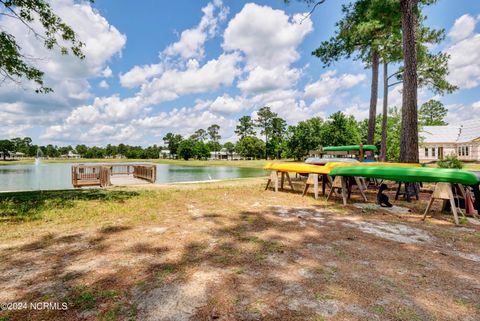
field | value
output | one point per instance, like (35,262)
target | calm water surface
(58,176)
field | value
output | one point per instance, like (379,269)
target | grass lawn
(232,251)
(241,163)
(193,162)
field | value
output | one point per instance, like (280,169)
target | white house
(460,139)
(224,154)
(71,154)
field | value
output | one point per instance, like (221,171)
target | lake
(58,176)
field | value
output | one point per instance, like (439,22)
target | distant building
(71,155)
(165,154)
(12,155)
(459,139)
(224,154)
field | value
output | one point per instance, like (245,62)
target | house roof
(461,132)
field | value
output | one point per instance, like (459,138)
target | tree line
(266,136)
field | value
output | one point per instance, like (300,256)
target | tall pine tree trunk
(373,98)
(409,130)
(383,145)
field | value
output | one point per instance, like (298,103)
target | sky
(154,67)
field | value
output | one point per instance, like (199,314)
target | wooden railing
(87,175)
(99,175)
(146,172)
(122,169)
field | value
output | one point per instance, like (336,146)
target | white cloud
(191,42)
(359,111)
(327,88)
(268,37)
(103,84)
(107,72)
(194,79)
(464,64)
(260,79)
(462,28)
(476,105)
(140,74)
(227,104)
(189,47)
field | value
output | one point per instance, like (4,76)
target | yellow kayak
(300,168)
(303,168)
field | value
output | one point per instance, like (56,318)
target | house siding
(455,149)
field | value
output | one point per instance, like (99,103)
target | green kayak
(349,148)
(409,174)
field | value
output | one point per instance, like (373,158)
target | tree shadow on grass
(24,206)
(261,265)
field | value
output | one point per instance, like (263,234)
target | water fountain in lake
(38,159)
(39,156)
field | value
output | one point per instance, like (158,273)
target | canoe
(348,148)
(409,174)
(325,160)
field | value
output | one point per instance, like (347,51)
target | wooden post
(361,187)
(339,183)
(344,190)
(290,181)
(443,191)
(274,180)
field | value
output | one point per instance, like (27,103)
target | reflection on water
(58,176)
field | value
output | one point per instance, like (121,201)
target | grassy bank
(239,163)
(231,251)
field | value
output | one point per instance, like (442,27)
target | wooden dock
(103,175)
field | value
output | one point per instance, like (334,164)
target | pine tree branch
(311,11)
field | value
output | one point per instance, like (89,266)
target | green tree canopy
(199,134)
(6,146)
(250,146)
(172,141)
(201,150)
(265,117)
(277,136)
(245,127)
(186,149)
(304,137)
(339,130)
(432,113)
(230,147)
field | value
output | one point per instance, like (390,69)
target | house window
(426,152)
(433,151)
(459,151)
(466,150)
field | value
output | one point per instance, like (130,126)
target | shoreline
(154,185)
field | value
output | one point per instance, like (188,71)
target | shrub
(450,162)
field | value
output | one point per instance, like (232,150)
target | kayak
(409,174)
(325,160)
(302,168)
(348,148)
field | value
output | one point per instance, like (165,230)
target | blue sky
(160,66)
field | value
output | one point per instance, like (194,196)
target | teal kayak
(349,148)
(409,174)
